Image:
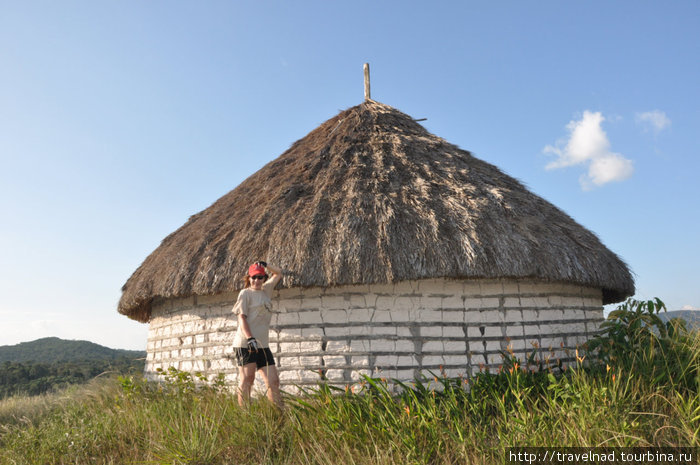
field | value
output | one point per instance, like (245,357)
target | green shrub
(635,339)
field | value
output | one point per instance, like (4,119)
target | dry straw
(371,196)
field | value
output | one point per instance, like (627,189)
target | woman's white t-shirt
(257,307)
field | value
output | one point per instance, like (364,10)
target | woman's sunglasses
(256,277)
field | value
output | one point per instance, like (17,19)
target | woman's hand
(275,274)
(253,344)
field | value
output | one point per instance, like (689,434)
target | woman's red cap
(256,269)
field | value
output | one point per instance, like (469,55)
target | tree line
(33,378)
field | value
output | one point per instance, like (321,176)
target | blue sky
(119,120)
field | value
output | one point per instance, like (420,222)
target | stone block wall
(403,330)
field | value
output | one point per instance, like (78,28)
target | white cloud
(608,168)
(689,307)
(588,144)
(655,120)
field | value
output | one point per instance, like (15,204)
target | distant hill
(692,317)
(51,363)
(53,350)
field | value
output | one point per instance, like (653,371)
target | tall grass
(620,401)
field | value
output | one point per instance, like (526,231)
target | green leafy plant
(634,338)
(629,329)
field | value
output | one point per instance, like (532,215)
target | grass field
(641,391)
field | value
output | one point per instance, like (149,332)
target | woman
(251,342)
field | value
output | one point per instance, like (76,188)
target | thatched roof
(371,196)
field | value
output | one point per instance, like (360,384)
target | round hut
(404,255)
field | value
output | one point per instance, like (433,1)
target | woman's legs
(272,380)
(246,378)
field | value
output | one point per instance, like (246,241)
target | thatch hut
(404,254)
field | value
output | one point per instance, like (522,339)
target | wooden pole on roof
(367,93)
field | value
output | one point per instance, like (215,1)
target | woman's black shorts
(261,357)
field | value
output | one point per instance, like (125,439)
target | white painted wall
(401,330)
